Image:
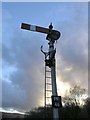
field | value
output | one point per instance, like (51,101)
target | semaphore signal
(52,37)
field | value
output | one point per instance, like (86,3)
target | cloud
(10,95)
(28,75)
(23,69)
(72,49)
(68,69)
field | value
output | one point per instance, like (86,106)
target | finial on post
(50,26)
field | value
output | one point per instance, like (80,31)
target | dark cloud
(13,96)
(29,74)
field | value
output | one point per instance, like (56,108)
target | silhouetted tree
(74,96)
(72,110)
(40,113)
(86,108)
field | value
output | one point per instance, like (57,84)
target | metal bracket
(45,53)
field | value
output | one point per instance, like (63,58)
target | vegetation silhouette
(72,108)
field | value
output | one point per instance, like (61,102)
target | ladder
(48,83)
(48,86)
(48,90)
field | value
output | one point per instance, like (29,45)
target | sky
(22,60)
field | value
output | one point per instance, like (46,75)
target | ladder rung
(48,71)
(48,97)
(48,105)
(48,83)
(49,90)
(48,77)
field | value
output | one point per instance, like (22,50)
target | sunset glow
(62,87)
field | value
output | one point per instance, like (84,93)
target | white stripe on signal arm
(32,27)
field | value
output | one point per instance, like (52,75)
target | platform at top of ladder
(54,34)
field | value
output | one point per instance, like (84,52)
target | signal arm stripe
(32,27)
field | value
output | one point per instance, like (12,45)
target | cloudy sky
(23,63)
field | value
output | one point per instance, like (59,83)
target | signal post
(52,36)
(56,100)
